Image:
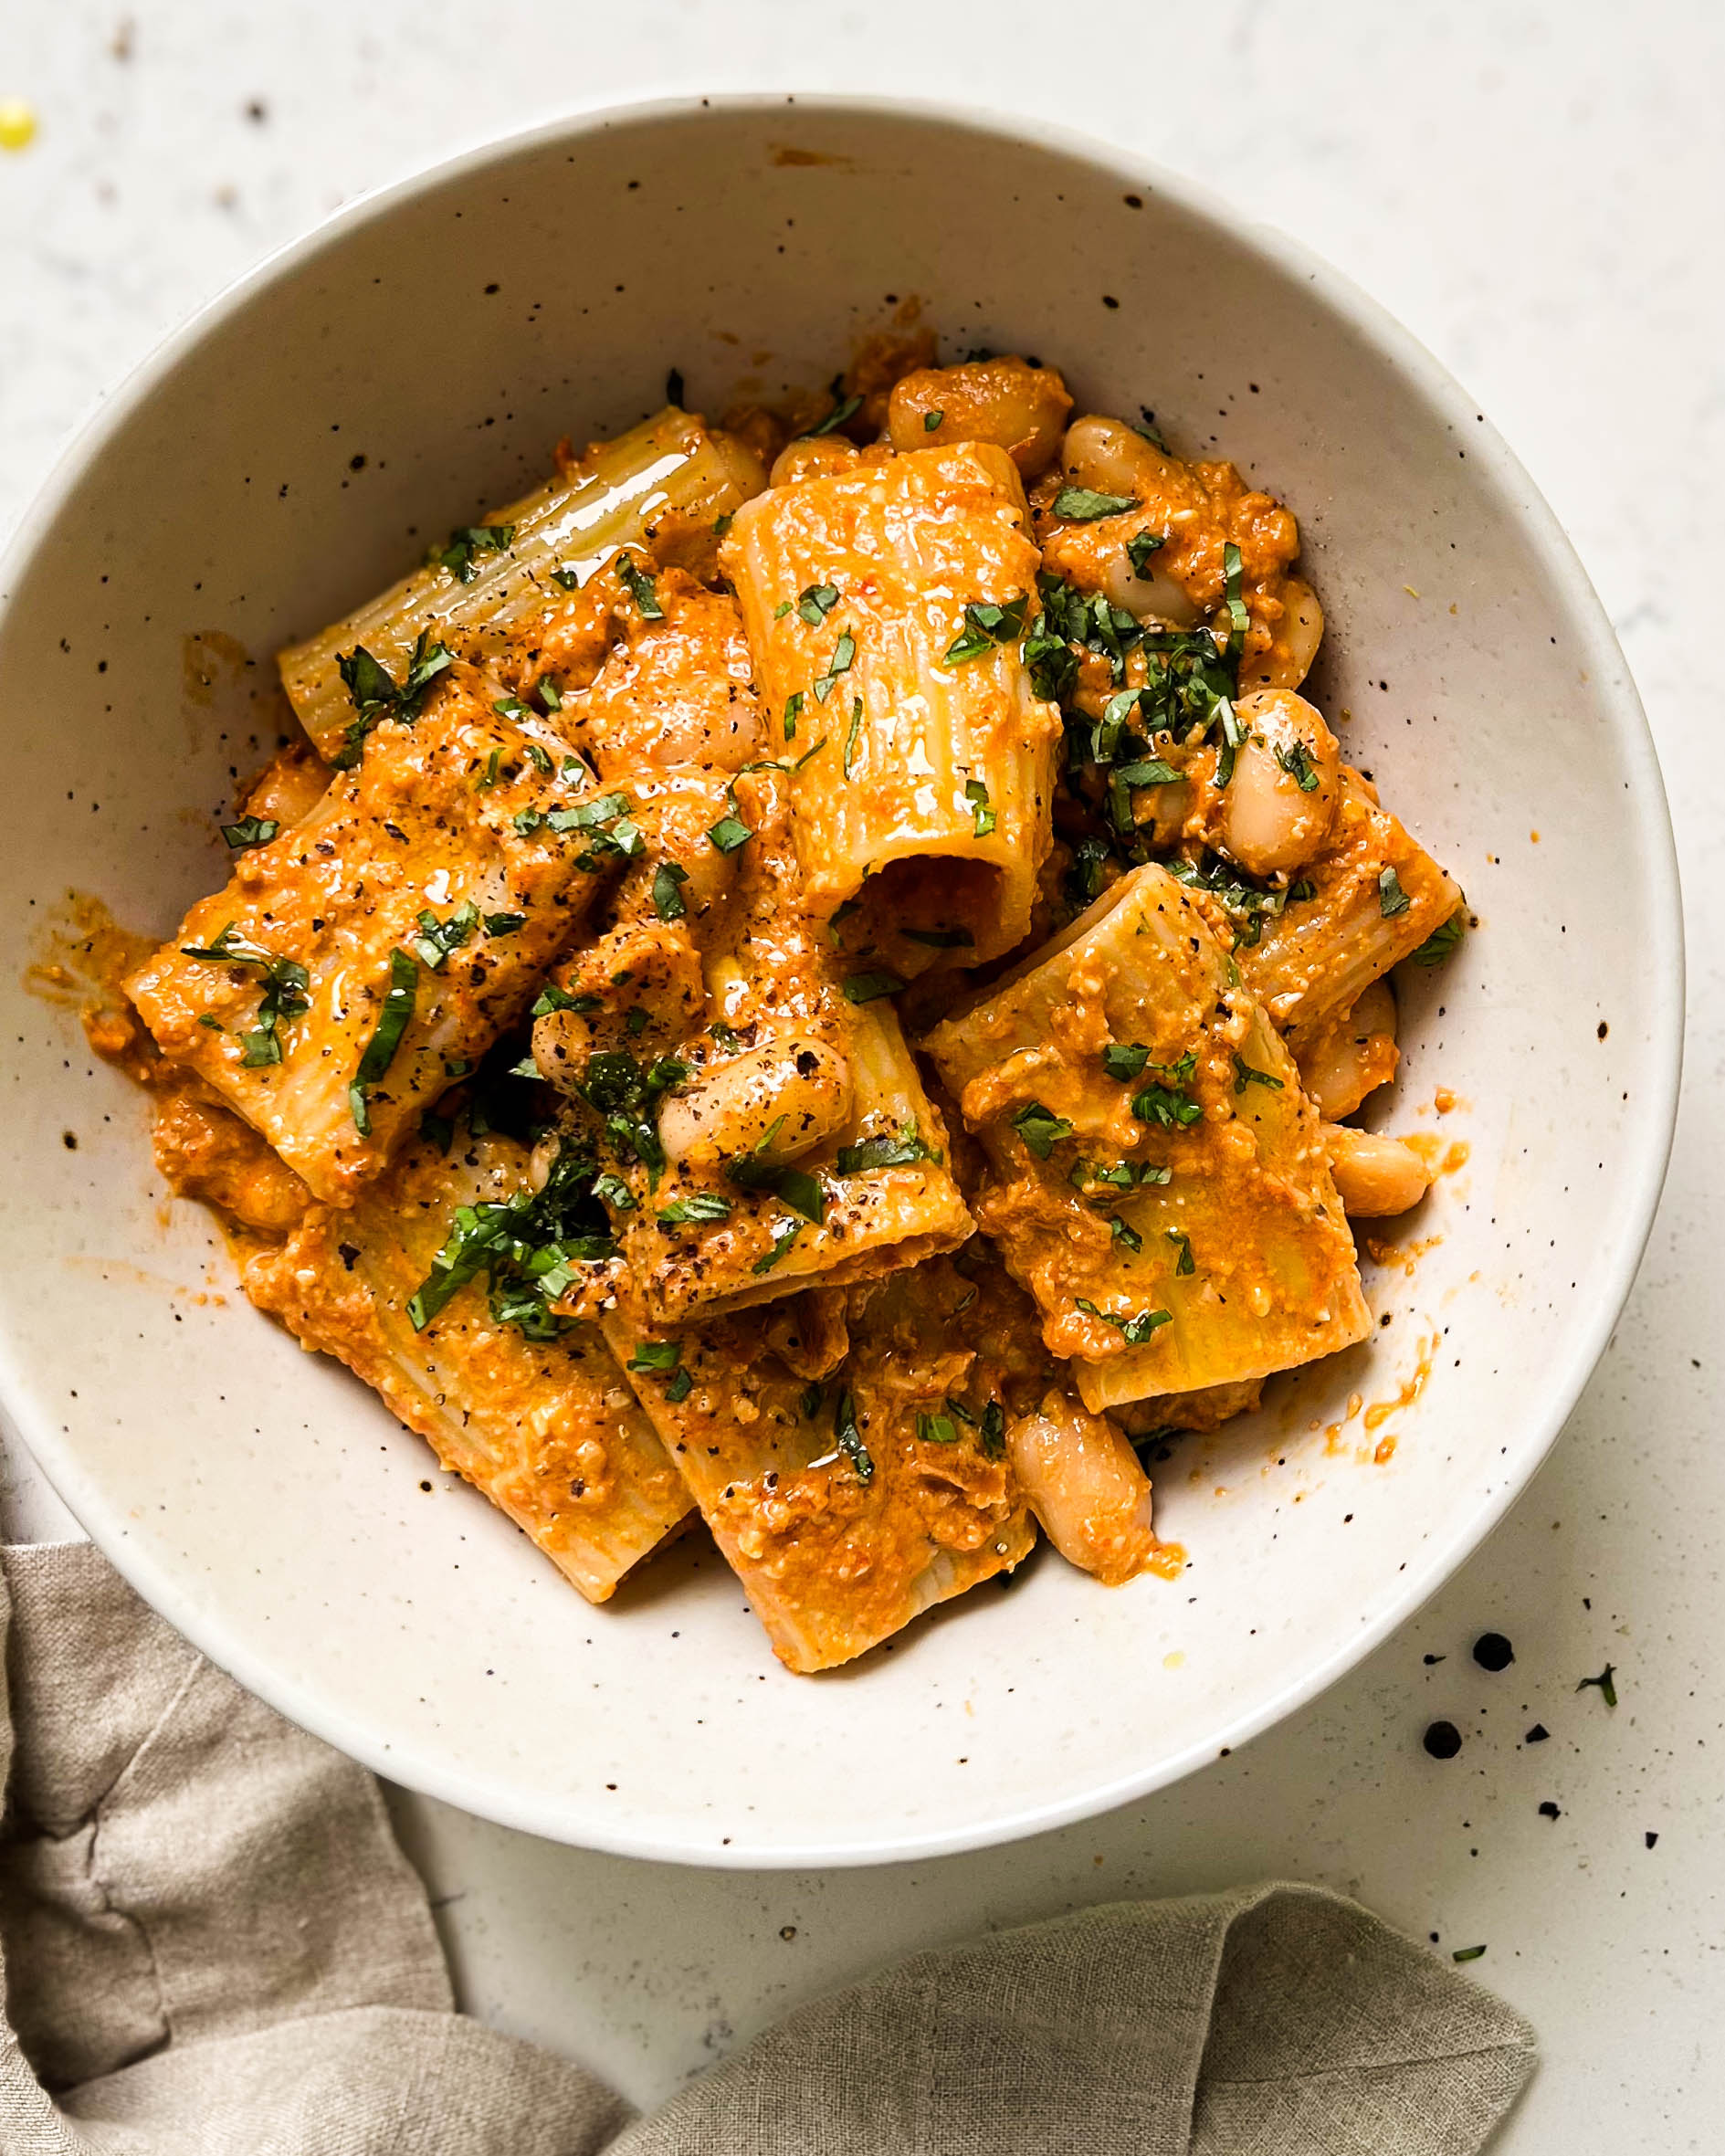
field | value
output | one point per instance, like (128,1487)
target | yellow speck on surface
(1175,1661)
(1410,591)
(18,124)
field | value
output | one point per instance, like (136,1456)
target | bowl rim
(1649,1137)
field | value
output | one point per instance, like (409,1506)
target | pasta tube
(761,1117)
(360,961)
(853,1467)
(1156,1178)
(493,574)
(542,1420)
(1372,897)
(886,605)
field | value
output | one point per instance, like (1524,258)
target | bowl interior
(410,368)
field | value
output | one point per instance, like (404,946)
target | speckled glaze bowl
(411,363)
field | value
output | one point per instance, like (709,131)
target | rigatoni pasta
(888,603)
(830,1002)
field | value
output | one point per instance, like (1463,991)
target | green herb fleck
(699,1206)
(1083,505)
(883,1149)
(1140,549)
(850,1437)
(1442,939)
(783,1237)
(667,899)
(1124,1059)
(1244,1076)
(843,653)
(985,625)
(380,1050)
(467,543)
(250,831)
(836,417)
(376,696)
(983,817)
(865,988)
(1182,1243)
(817,603)
(1392,899)
(793,712)
(1602,1683)
(1041,1127)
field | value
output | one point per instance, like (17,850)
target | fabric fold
(209,1940)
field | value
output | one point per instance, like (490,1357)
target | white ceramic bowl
(410,364)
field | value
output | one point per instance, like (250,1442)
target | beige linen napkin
(212,1945)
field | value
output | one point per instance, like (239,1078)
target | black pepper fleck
(1537,1734)
(1492,1651)
(1442,1740)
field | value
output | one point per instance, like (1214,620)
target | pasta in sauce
(814,979)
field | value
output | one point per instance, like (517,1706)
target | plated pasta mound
(814,975)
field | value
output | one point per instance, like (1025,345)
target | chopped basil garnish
(1167,1103)
(611,1190)
(1233,585)
(436,939)
(1041,1127)
(817,603)
(983,817)
(1136,1329)
(656,1355)
(1602,1683)
(1442,939)
(504,924)
(1123,1232)
(1083,505)
(986,625)
(1184,1245)
(380,1050)
(700,1205)
(1392,899)
(250,831)
(793,712)
(667,899)
(899,1149)
(1244,1076)
(467,543)
(844,652)
(852,736)
(783,1237)
(552,998)
(641,588)
(1140,549)
(1124,1059)
(848,1438)
(529,1244)
(932,420)
(1298,763)
(936,1429)
(376,696)
(865,988)
(836,417)
(286,986)
(729,833)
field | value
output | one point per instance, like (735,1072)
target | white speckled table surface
(1533,187)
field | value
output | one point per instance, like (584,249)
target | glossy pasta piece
(620,493)
(1156,1177)
(549,1429)
(435,877)
(788,1141)
(873,601)
(1369,899)
(849,1504)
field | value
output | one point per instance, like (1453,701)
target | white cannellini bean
(1020,408)
(1351,1056)
(1300,633)
(1085,1484)
(746,469)
(812,456)
(1375,1176)
(1111,457)
(800,1082)
(1268,821)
